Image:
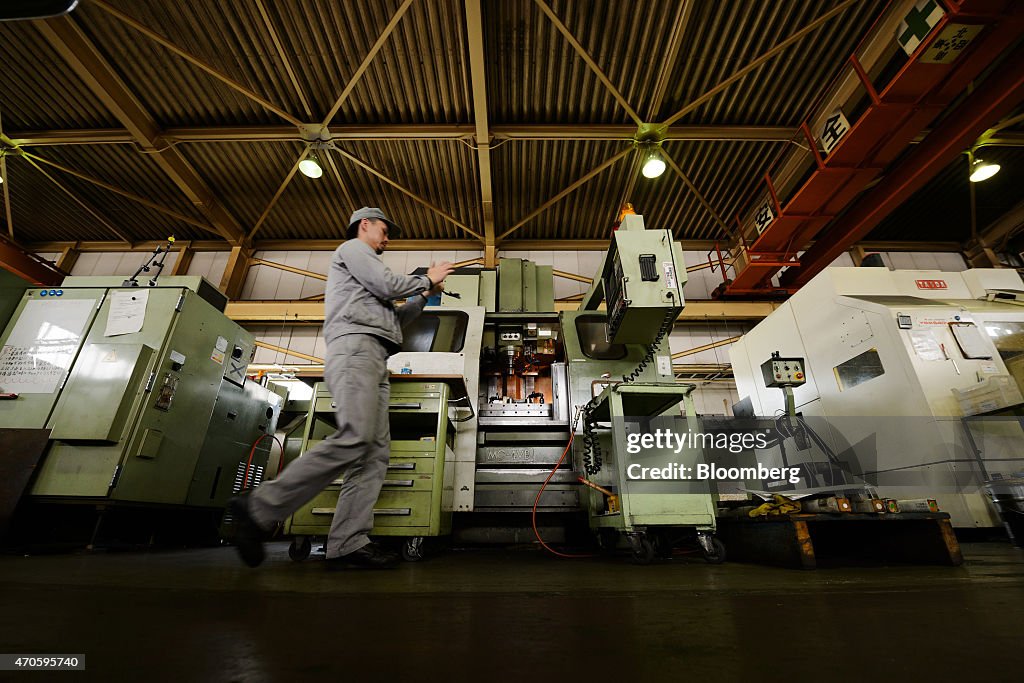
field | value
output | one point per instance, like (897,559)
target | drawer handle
(402,466)
(398,482)
(406,406)
(323,511)
(392,512)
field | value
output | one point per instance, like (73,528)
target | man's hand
(437,272)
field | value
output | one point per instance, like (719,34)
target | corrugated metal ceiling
(421,76)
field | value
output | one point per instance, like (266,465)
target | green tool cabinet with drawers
(414,502)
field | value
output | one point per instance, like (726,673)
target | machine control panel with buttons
(783,372)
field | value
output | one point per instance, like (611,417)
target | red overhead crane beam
(28,266)
(894,116)
(1001,93)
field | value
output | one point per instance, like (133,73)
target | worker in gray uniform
(362,327)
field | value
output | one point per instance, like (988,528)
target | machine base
(803,541)
(20,453)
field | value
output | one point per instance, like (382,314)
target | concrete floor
(512,615)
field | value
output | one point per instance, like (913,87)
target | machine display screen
(859,369)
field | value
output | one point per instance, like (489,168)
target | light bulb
(311,167)
(982,171)
(653,167)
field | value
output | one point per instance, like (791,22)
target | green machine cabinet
(414,502)
(648,511)
(156,413)
(651,515)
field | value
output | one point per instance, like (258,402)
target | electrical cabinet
(143,392)
(643,280)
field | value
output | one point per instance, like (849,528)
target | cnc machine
(915,375)
(543,376)
(119,394)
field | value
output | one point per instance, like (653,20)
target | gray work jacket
(360,292)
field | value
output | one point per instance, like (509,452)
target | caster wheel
(412,549)
(300,548)
(718,555)
(643,552)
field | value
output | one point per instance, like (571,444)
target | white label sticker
(177,357)
(665,365)
(217,357)
(222,344)
(670,274)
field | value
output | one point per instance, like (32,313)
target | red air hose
(252,452)
(536,532)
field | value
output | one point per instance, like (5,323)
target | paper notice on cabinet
(127,312)
(926,345)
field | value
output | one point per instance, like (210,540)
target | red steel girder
(28,266)
(895,116)
(757,275)
(1000,93)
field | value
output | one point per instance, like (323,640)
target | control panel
(781,372)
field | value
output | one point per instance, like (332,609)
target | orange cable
(252,452)
(537,501)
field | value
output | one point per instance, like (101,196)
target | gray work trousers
(357,375)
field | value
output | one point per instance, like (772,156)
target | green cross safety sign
(918,23)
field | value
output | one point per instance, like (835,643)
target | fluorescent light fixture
(310,166)
(981,170)
(654,166)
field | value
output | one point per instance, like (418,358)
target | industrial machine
(129,394)
(623,383)
(912,378)
(512,383)
(545,377)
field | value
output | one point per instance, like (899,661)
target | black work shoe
(370,556)
(248,536)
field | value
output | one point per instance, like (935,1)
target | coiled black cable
(591,442)
(666,325)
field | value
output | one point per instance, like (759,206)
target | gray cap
(371,212)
